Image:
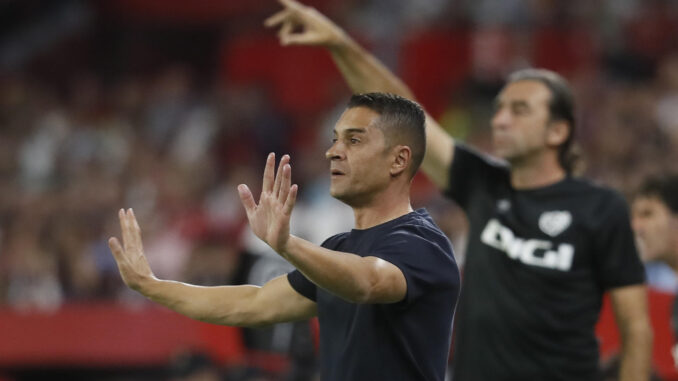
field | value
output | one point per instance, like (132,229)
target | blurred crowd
(77,146)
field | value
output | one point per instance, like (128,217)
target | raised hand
(270,219)
(316,29)
(132,263)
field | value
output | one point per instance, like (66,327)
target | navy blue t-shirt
(407,340)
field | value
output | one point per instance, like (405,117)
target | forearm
(363,72)
(349,276)
(225,305)
(636,353)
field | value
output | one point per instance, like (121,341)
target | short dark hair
(663,187)
(401,120)
(561,108)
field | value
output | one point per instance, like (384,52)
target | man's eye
(520,110)
(354,141)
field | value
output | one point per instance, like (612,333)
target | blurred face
(359,159)
(520,121)
(656,229)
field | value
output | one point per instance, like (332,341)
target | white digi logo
(524,250)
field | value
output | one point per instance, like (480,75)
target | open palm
(270,219)
(129,255)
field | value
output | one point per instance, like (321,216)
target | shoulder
(472,171)
(334,241)
(465,154)
(600,203)
(419,230)
(602,195)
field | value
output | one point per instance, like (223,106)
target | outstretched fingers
(291,200)
(285,32)
(247,199)
(135,231)
(285,183)
(291,4)
(269,175)
(131,233)
(124,230)
(279,176)
(116,249)
(278,18)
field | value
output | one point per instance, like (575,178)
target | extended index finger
(277,18)
(291,4)
(269,174)
(135,230)
(123,229)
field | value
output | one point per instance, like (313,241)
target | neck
(536,173)
(388,205)
(672,260)
(673,264)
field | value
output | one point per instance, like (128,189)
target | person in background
(655,223)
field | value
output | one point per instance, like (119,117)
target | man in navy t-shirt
(384,293)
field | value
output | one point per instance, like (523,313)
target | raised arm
(352,277)
(246,305)
(362,72)
(630,308)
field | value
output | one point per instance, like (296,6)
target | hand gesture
(316,29)
(132,263)
(270,219)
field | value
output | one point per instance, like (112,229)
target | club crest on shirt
(555,222)
(503,205)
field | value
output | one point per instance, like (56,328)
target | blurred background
(166,105)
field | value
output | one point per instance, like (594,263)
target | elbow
(638,332)
(379,285)
(360,292)
(372,290)
(362,296)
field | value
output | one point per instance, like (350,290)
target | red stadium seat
(301,79)
(434,62)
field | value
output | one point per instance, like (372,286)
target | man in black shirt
(543,245)
(384,293)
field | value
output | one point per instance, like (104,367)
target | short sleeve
(302,285)
(616,254)
(471,171)
(427,263)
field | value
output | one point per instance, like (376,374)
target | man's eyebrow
(519,103)
(513,103)
(352,130)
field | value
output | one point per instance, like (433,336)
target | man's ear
(557,133)
(402,156)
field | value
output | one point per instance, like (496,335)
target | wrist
(290,248)
(145,284)
(341,42)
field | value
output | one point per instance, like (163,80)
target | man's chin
(503,154)
(341,196)
(338,195)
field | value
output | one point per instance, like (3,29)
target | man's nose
(500,119)
(334,152)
